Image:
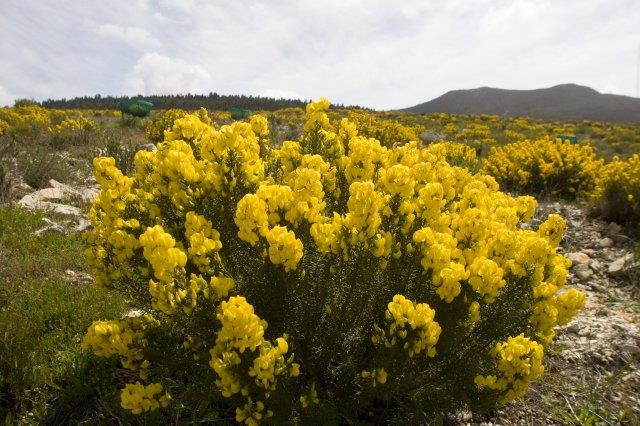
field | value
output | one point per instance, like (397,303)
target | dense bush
(332,277)
(618,197)
(545,167)
(164,120)
(389,133)
(73,131)
(456,154)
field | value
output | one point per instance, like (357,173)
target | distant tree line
(189,102)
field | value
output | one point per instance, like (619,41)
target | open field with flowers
(317,265)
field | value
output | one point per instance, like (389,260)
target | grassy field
(44,374)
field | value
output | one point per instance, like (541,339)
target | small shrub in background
(5,184)
(26,119)
(545,167)
(477,135)
(39,164)
(333,278)
(164,121)
(456,154)
(69,132)
(121,152)
(389,133)
(618,197)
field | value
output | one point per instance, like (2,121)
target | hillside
(562,102)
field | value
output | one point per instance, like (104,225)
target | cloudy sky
(381,54)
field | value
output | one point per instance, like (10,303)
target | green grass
(44,374)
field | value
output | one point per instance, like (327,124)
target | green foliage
(121,151)
(5,184)
(40,164)
(22,102)
(42,317)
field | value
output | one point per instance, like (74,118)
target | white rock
(605,242)
(134,313)
(86,194)
(147,147)
(583,271)
(82,225)
(596,265)
(39,200)
(614,228)
(31,203)
(78,277)
(617,267)
(578,258)
(50,226)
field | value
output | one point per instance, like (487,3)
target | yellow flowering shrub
(389,132)
(456,154)
(332,276)
(74,125)
(618,196)
(26,119)
(164,121)
(545,166)
(477,135)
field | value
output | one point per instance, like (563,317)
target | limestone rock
(48,199)
(82,225)
(618,267)
(614,228)
(50,226)
(605,242)
(583,271)
(147,147)
(578,258)
(78,277)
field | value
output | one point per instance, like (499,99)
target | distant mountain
(562,102)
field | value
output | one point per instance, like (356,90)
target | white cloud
(184,6)
(373,53)
(133,35)
(158,74)
(6,99)
(281,94)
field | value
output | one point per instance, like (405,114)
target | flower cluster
(546,165)
(243,331)
(519,362)
(411,326)
(124,339)
(139,398)
(74,125)
(389,132)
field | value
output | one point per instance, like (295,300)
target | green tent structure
(136,107)
(239,113)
